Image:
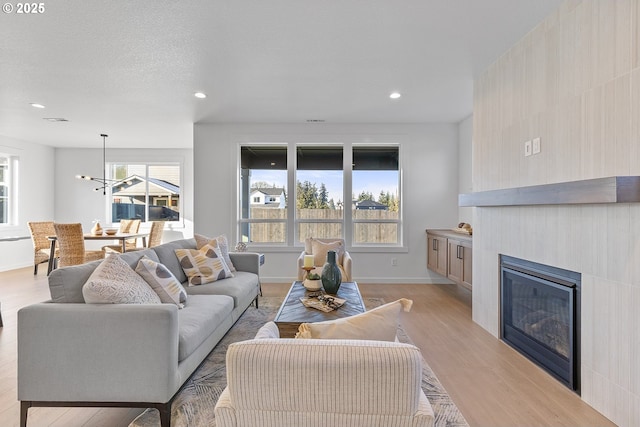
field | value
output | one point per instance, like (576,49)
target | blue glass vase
(331,276)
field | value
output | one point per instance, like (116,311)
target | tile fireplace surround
(603,243)
(584,105)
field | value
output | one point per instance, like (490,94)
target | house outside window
(149,192)
(322,174)
(376,200)
(263,175)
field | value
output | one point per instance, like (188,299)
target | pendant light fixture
(103,181)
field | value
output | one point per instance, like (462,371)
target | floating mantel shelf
(614,189)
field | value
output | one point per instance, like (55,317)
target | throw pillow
(320,249)
(223,245)
(203,266)
(378,324)
(115,282)
(268,330)
(162,281)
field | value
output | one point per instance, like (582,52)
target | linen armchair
(319,248)
(320,382)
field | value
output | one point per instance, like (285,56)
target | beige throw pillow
(162,281)
(320,249)
(203,266)
(223,245)
(115,282)
(378,324)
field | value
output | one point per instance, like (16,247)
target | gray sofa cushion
(133,257)
(197,320)
(167,256)
(65,284)
(237,287)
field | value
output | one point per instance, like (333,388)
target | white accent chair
(319,382)
(343,260)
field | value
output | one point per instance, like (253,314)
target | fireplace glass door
(539,319)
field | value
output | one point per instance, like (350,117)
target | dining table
(122,237)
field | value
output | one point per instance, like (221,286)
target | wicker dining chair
(71,245)
(126,226)
(155,236)
(41,245)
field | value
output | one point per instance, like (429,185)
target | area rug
(194,405)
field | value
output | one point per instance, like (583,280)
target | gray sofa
(130,355)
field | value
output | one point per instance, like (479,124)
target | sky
(369,181)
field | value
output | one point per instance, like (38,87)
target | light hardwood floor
(491,384)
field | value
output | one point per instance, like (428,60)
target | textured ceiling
(130,68)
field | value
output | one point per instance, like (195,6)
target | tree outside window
(373,213)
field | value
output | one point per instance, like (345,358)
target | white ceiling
(129,68)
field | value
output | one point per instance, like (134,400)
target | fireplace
(540,316)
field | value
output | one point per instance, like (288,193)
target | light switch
(536,145)
(527,148)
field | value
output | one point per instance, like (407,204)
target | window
(4,189)
(376,200)
(263,174)
(150,192)
(322,175)
(319,192)
(7,189)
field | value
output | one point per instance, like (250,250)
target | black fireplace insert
(540,316)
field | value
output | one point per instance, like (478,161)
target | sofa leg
(24,407)
(256,300)
(165,414)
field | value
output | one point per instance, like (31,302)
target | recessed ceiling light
(55,119)
(200,95)
(395,95)
(315,120)
(35,105)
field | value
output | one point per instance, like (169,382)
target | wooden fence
(362,232)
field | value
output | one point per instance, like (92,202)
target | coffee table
(292,312)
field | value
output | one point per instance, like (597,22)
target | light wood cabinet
(437,254)
(450,254)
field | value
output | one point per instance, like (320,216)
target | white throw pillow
(162,281)
(203,266)
(223,245)
(378,324)
(268,330)
(320,249)
(115,282)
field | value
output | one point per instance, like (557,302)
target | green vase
(331,276)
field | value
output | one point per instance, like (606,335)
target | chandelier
(104,181)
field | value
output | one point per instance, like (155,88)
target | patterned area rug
(194,405)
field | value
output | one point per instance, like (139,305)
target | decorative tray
(322,302)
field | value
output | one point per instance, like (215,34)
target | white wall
(430,181)
(77,202)
(584,103)
(465,155)
(36,199)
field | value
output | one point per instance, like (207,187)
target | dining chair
(71,245)
(155,236)
(41,245)
(126,226)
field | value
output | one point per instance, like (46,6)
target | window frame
(109,199)
(11,183)
(348,224)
